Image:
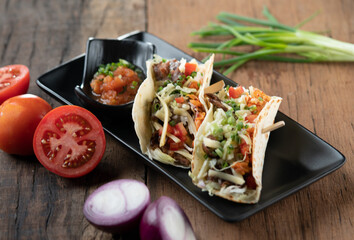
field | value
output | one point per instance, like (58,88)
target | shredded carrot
(196,103)
(199,119)
(194,85)
(192,96)
(242,167)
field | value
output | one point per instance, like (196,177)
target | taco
(169,108)
(229,148)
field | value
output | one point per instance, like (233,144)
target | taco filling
(225,153)
(176,110)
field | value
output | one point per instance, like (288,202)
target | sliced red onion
(117,206)
(165,220)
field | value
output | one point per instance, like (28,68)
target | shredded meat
(210,152)
(181,160)
(216,101)
(154,141)
(167,70)
(161,70)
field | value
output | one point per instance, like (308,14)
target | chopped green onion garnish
(239,126)
(172,123)
(231,120)
(219,152)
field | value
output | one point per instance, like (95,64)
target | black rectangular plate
(295,157)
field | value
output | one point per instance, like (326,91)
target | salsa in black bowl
(113,71)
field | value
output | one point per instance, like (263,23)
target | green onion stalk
(272,40)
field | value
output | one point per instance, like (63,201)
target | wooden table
(36,204)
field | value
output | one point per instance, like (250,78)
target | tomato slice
(235,92)
(69,141)
(189,68)
(14,80)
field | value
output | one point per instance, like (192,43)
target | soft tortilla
(265,118)
(142,110)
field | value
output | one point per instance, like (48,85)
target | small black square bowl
(104,51)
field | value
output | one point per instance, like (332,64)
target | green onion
(223,121)
(239,126)
(156,107)
(231,120)
(219,152)
(172,123)
(272,39)
(225,165)
(229,113)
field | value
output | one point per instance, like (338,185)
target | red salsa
(116,83)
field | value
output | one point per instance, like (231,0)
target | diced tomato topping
(181,130)
(170,129)
(175,146)
(250,182)
(189,68)
(179,99)
(235,92)
(251,118)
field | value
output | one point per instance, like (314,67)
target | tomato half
(69,141)
(14,80)
(19,117)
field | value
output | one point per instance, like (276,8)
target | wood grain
(35,204)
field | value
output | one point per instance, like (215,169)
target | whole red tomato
(19,117)
(14,80)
